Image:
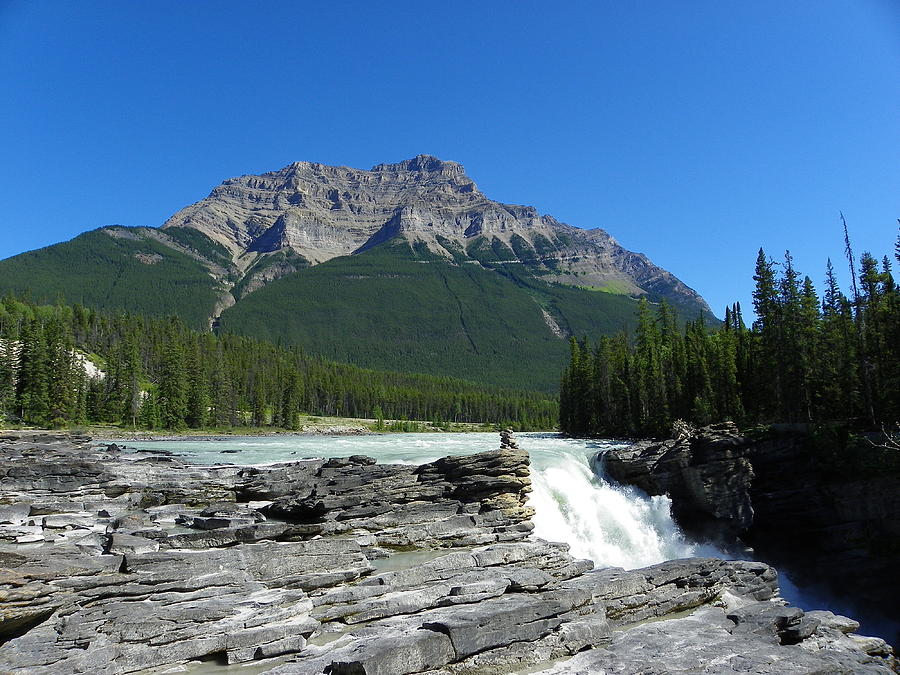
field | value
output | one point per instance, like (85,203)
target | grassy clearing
(310,424)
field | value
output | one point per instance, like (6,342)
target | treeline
(805,359)
(159,374)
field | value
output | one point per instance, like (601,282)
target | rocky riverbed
(116,561)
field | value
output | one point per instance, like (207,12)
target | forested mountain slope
(156,373)
(138,269)
(417,312)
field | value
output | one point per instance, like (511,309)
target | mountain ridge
(320,212)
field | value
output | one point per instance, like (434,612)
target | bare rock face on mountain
(315,212)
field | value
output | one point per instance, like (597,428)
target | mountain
(406,266)
(316,212)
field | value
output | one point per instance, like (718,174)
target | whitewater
(574,501)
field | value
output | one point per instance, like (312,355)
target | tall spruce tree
(64,371)
(651,385)
(862,351)
(789,343)
(33,377)
(172,391)
(768,362)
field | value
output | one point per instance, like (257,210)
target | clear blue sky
(694,132)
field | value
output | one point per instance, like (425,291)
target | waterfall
(611,524)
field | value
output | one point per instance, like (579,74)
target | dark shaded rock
(508,440)
(217,522)
(822,504)
(765,619)
(706,472)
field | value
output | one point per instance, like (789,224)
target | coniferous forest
(159,374)
(808,357)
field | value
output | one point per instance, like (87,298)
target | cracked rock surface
(114,561)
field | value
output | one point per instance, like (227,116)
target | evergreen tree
(150,414)
(33,377)
(293,396)
(897,246)
(62,383)
(9,359)
(801,360)
(173,386)
(808,329)
(789,347)
(131,377)
(768,362)
(651,386)
(197,404)
(860,324)
(836,377)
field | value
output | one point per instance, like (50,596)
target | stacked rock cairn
(507,440)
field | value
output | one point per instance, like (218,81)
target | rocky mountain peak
(314,212)
(423,164)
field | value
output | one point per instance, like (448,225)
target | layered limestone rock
(316,212)
(116,561)
(827,506)
(810,501)
(706,472)
(713,640)
(455,501)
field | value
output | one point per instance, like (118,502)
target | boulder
(14,514)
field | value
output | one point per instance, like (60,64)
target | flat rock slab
(705,643)
(126,543)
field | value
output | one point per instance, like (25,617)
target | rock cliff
(827,504)
(117,561)
(810,500)
(706,472)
